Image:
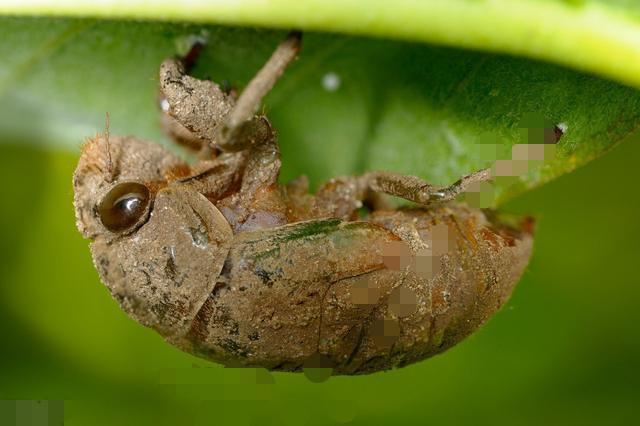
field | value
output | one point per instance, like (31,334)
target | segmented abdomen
(359,296)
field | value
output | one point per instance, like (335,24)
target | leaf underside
(348,105)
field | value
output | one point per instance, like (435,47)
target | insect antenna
(110,171)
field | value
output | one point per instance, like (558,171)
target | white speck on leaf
(331,82)
(563,127)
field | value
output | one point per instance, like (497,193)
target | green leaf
(594,35)
(430,111)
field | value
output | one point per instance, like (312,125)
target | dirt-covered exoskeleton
(227,263)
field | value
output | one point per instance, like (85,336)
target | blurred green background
(565,350)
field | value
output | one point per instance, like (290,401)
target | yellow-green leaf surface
(593,35)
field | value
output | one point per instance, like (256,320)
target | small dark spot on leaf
(558,132)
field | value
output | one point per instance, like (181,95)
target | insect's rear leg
(414,189)
(342,197)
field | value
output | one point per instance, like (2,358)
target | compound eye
(123,206)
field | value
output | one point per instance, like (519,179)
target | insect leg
(240,183)
(256,193)
(240,125)
(263,165)
(197,106)
(250,134)
(342,197)
(414,189)
(171,126)
(181,135)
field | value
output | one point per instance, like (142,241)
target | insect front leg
(173,128)
(242,183)
(210,112)
(194,108)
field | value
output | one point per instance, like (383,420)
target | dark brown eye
(123,206)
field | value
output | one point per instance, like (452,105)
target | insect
(228,264)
